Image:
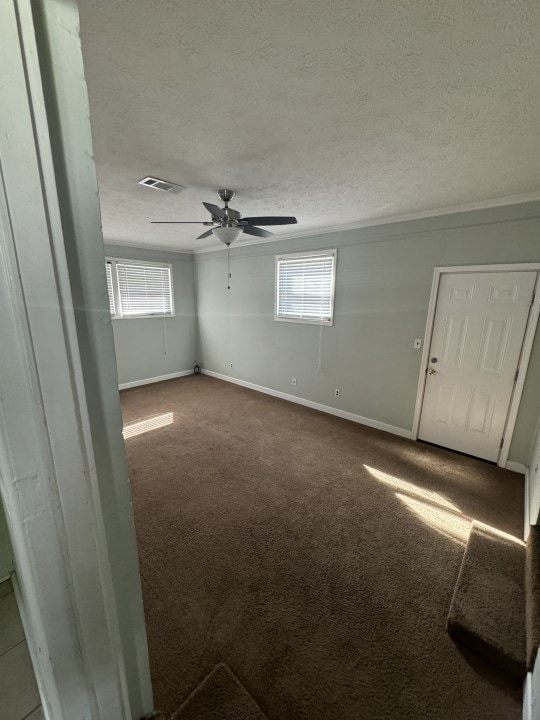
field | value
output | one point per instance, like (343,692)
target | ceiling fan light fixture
(228,234)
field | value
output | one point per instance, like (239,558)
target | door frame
(526,348)
(49,474)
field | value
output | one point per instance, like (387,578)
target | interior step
(487,613)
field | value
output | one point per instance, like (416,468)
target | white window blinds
(108,271)
(144,289)
(305,287)
(139,289)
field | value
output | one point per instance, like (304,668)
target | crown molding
(147,247)
(390,219)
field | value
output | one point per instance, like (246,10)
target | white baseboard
(314,405)
(159,378)
(527,698)
(516,467)
(526,519)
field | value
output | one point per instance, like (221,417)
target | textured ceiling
(337,111)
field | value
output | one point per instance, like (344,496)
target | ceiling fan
(228,224)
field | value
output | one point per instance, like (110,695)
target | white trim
(527,506)
(425,353)
(48,478)
(140,317)
(516,467)
(136,261)
(147,246)
(505,201)
(313,405)
(495,267)
(527,698)
(528,340)
(303,321)
(150,381)
(526,350)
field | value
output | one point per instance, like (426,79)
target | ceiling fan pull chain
(228,267)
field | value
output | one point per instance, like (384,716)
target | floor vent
(162,185)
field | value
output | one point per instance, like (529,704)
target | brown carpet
(488,606)
(314,556)
(219,697)
(532,594)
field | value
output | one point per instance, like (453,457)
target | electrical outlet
(337,392)
(417,343)
(230,365)
(293,381)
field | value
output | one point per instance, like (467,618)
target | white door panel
(478,332)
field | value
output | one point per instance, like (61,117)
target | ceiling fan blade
(270,220)
(204,235)
(258,232)
(215,211)
(178,222)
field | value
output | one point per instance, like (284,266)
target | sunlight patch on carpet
(153,423)
(453,525)
(411,489)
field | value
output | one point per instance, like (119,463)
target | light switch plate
(417,343)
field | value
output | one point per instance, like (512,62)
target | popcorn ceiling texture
(337,111)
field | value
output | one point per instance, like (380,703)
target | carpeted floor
(487,612)
(315,557)
(220,696)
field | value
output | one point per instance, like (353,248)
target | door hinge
(502,442)
(533,296)
(516,375)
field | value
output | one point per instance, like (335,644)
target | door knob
(432,371)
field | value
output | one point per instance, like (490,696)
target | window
(138,289)
(108,270)
(305,287)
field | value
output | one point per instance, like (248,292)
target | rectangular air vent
(163,185)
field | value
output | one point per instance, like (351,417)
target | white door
(478,331)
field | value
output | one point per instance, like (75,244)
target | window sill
(304,321)
(140,317)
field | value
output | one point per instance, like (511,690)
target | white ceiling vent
(163,185)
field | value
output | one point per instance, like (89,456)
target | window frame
(112,300)
(114,261)
(309,254)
